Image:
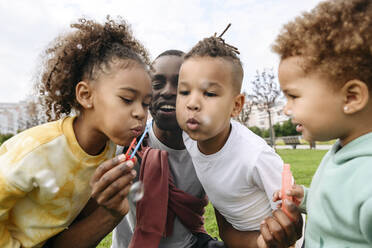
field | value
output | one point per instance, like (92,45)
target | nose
(193,103)
(287,111)
(169,90)
(139,112)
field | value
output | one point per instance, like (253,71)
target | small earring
(89,105)
(346,108)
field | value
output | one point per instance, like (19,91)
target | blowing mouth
(138,130)
(193,121)
(192,124)
(299,128)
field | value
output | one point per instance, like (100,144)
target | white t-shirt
(241,178)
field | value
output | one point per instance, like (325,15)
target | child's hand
(111,183)
(297,192)
(279,230)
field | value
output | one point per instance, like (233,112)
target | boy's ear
(356,96)
(238,105)
(83,92)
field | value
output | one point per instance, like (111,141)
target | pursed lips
(137,130)
(192,123)
(299,127)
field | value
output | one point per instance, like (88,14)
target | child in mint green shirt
(326,75)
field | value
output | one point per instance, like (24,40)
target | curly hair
(82,55)
(335,38)
(216,47)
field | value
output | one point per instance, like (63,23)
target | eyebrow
(210,84)
(134,91)
(158,76)
(129,89)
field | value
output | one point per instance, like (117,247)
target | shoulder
(246,141)
(25,154)
(27,141)
(253,149)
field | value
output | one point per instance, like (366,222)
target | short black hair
(171,52)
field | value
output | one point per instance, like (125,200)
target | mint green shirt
(339,201)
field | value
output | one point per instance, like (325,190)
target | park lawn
(303,165)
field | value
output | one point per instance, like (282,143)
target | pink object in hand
(287,182)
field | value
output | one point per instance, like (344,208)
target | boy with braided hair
(237,169)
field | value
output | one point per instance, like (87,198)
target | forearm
(240,239)
(87,232)
(234,238)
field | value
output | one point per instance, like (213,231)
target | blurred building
(260,118)
(15,117)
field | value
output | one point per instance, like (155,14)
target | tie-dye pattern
(44,183)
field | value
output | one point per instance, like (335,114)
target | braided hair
(216,47)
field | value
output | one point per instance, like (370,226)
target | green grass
(280,142)
(303,165)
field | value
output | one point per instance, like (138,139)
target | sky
(27,27)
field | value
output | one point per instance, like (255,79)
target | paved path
(318,147)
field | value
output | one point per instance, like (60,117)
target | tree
(33,114)
(288,128)
(256,130)
(243,116)
(266,91)
(4,137)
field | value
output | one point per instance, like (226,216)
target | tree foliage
(265,93)
(243,116)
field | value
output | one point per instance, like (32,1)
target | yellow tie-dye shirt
(44,183)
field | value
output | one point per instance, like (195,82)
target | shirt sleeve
(365,220)
(267,173)
(302,205)
(8,197)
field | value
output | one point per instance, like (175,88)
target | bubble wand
(136,191)
(139,142)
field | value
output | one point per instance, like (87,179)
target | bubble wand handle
(130,148)
(139,142)
(287,182)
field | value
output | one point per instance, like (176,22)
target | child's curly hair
(82,55)
(335,38)
(216,47)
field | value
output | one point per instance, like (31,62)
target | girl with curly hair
(325,73)
(99,72)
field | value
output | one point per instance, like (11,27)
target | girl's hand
(278,230)
(111,183)
(297,192)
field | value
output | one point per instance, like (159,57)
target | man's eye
(157,85)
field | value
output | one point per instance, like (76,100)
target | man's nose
(169,90)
